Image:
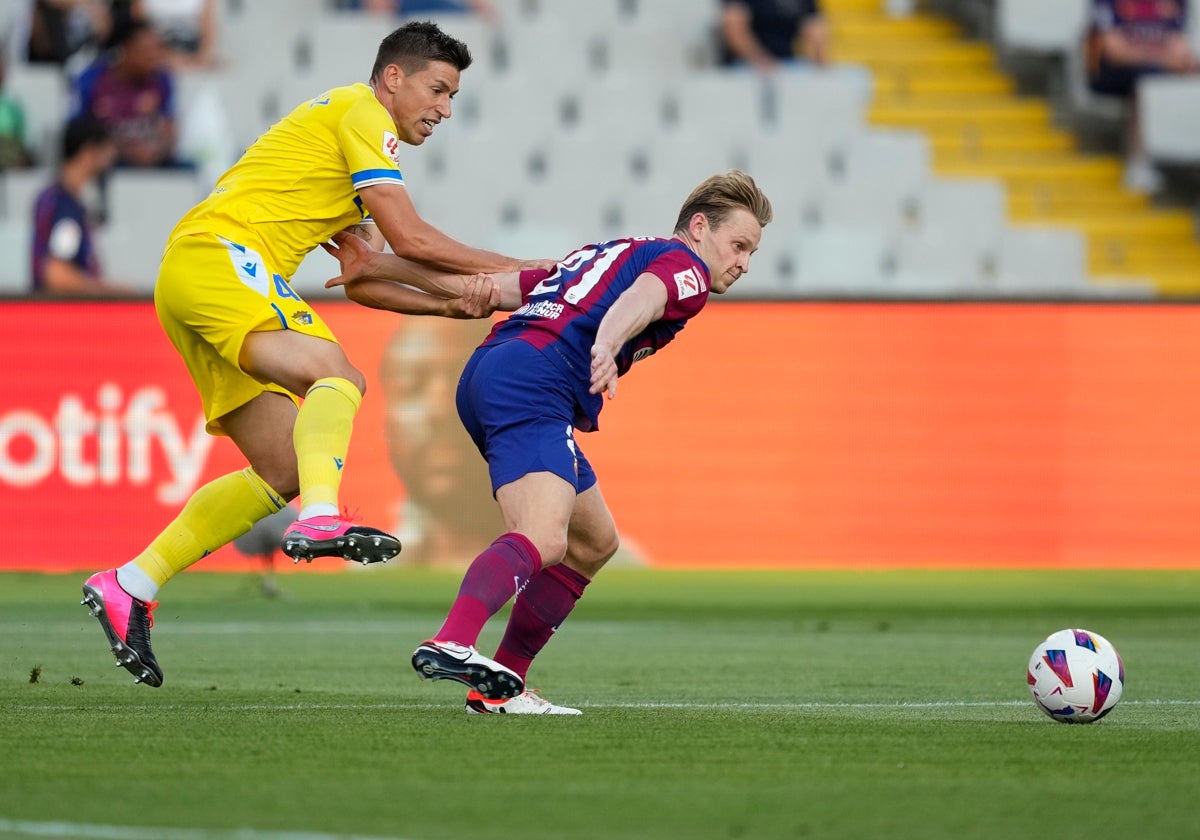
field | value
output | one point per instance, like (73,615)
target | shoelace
(150,606)
(535,696)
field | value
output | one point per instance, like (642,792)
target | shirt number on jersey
(282,288)
(588,280)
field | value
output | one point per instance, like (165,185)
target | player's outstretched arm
(413,238)
(479,298)
(367,275)
(359,260)
(639,305)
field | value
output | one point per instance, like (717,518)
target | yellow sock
(216,514)
(322,438)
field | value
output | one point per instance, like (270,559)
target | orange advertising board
(844,435)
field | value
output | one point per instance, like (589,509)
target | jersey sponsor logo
(540,309)
(688,283)
(391,147)
(643,353)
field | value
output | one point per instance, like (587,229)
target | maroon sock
(540,609)
(503,569)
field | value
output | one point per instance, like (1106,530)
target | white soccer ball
(1076,676)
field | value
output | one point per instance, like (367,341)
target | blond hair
(719,195)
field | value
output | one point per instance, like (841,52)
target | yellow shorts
(210,294)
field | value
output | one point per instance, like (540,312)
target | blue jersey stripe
(375,176)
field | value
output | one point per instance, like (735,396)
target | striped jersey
(561,310)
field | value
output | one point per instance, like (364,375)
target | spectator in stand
(64,259)
(769,34)
(61,30)
(188,29)
(1129,39)
(131,89)
(14,150)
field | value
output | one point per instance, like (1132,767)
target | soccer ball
(1076,676)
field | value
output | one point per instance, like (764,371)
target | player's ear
(698,225)
(393,77)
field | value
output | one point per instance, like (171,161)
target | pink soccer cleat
(338,536)
(127,622)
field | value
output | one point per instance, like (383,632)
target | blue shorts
(519,409)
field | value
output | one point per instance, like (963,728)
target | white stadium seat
(1054,27)
(1170,117)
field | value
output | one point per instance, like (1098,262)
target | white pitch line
(31,828)
(343,707)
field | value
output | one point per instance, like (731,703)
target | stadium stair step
(929,77)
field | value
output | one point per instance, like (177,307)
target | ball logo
(391,147)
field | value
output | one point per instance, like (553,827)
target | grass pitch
(716,705)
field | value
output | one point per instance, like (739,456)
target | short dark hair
(126,30)
(82,132)
(415,44)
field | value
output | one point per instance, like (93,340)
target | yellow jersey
(297,184)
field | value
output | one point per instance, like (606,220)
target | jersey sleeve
(686,281)
(369,142)
(530,278)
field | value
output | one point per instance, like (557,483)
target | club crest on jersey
(302,317)
(688,283)
(391,147)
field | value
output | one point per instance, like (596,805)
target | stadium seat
(826,105)
(882,172)
(647,53)
(601,15)
(1040,27)
(972,211)
(691,24)
(839,261)
(1041,260)
(16,238)
(340,47)
(1170,117)
(692,113)
(143,208)
(624,109)
(42,93)
(19,189)
(934,262)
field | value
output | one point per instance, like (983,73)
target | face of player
(420,100)
(726,249)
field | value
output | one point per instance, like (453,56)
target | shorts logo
(688,283)
(391,147)
(302,317)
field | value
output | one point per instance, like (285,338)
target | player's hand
(356,258)
(537,265)
(480,298)
(604,371)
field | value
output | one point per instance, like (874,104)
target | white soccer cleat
(438,660)
(525,703)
